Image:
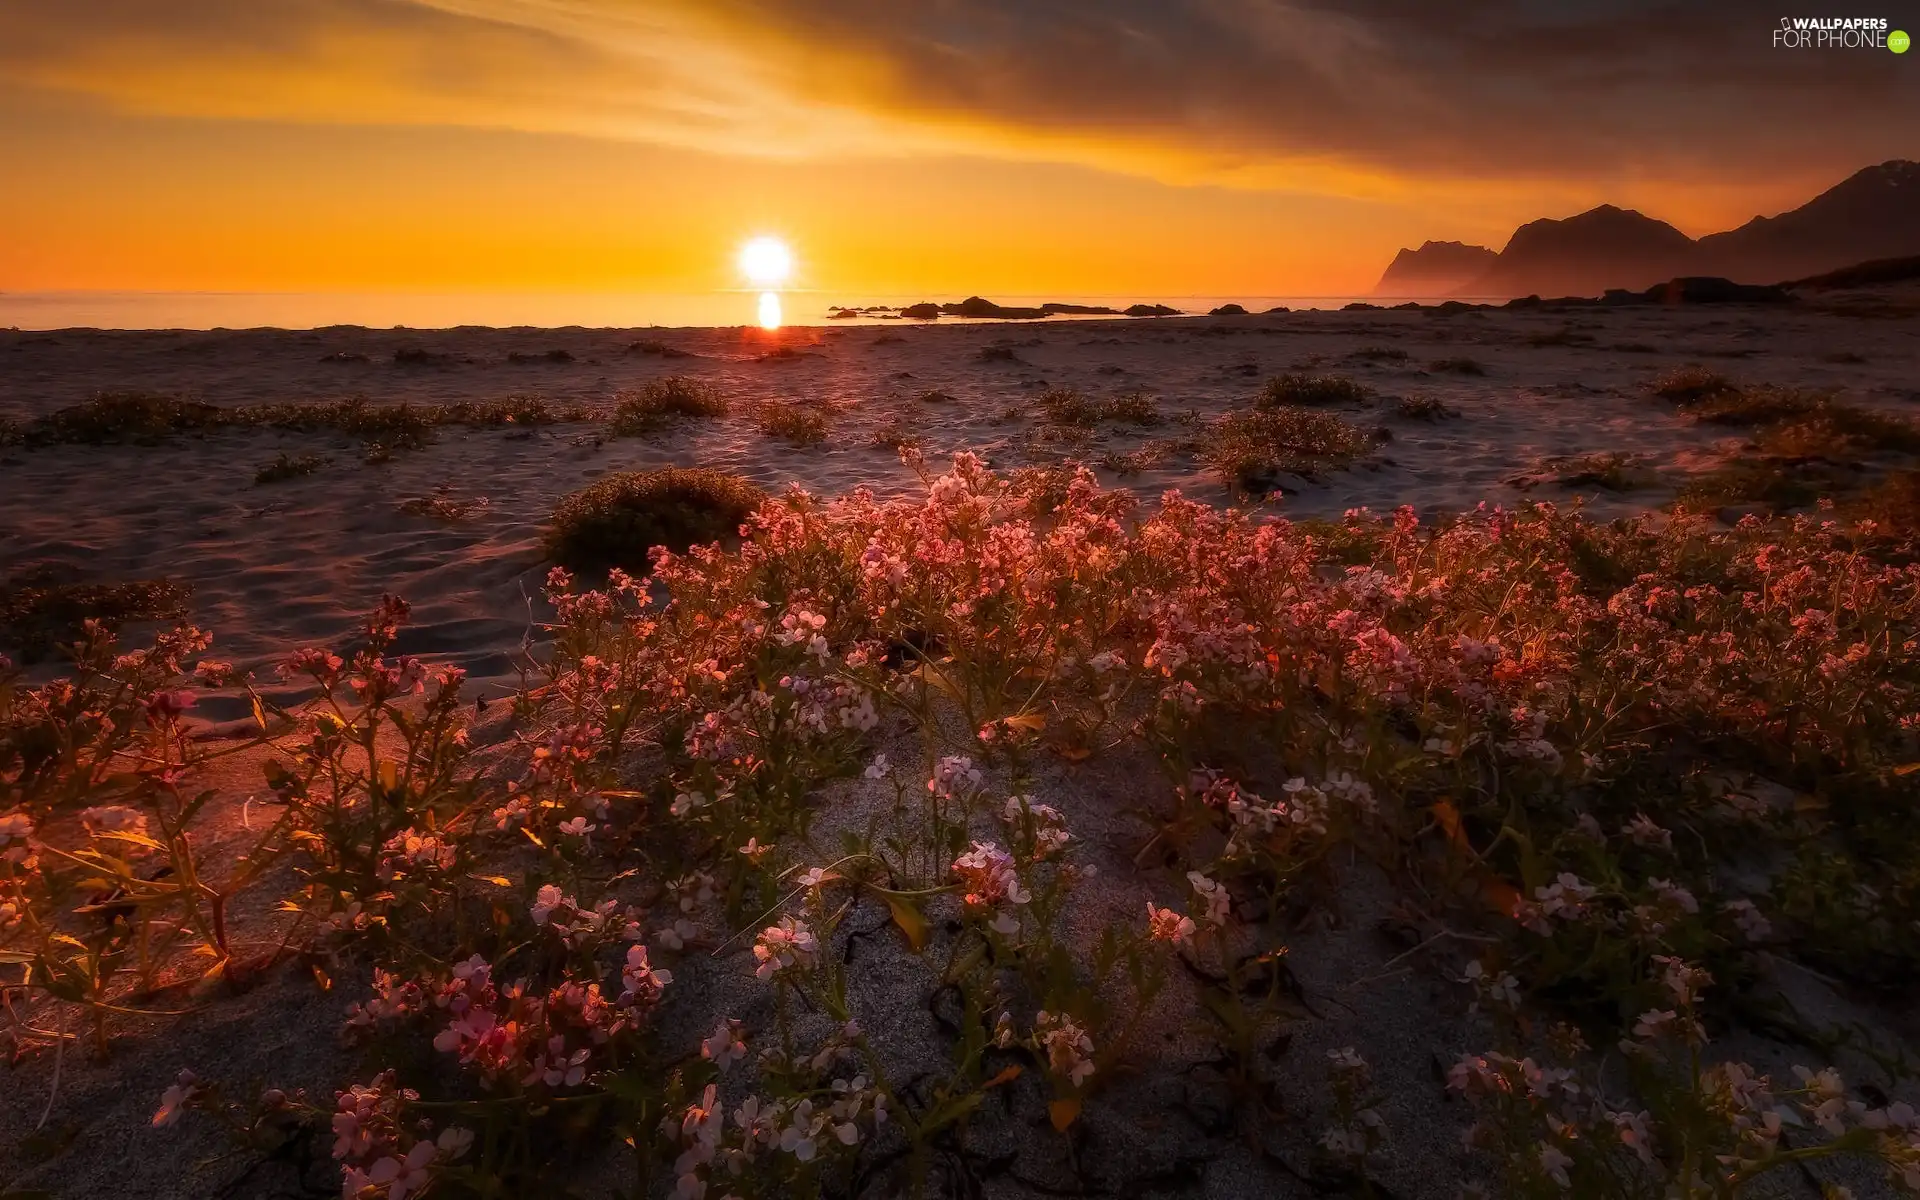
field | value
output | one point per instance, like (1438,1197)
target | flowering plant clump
(962,740)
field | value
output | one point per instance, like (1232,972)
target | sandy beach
(296,562)
(1193,600)
(1461,409)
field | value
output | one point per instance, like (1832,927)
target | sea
(610,310)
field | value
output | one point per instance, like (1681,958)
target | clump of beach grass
(1248,450)
(793,423)
(660,403)
(1154,454)
(1310,391)
(146,418)
(1068,406)
(1608,470)
(1690,385)
(1132,408)
(894,435)
(289,466)
(443,505)
(43,607)
(1379,354)
(617,520)
(1424,408)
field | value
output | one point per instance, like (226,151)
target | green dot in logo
(1898,41)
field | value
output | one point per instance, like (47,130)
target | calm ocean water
(296,310)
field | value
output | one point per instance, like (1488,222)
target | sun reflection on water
(769,310)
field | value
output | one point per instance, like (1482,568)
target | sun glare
(766,261)
(769,310)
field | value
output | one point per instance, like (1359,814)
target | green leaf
(912,922)
(949,1112)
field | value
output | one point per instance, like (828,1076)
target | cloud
(1382,97)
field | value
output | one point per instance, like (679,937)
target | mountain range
(1873,213)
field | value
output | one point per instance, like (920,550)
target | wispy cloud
(1384,97)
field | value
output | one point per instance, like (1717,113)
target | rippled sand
(296,562)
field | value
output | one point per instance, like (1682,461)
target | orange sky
(1171,147)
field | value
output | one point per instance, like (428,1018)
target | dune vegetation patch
(662,403)
(1608,470)
(1155,454)
(616,521)
(658,349)
(444,504)
(1690,385)
(43,607)
(1249,450)
(1379,354)
(1805,444)
(147,418)
(1068,406)
(1457,366)
(796,423)
(1804,449)
(1424,408)
(289,466)
(894,434)
(1311,391)
(1132,408)
(1065,406)
(888,846)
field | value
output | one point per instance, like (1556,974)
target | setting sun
(766,261)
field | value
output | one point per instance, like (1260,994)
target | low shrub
(894,435)
(146,418)
(42,607)
(792,422)
(1457,366)
(1690,385)
(1134,408)
(659,348)
(1609,470)
(1311,391)
(1424,408)
(1248,449)
(443,505)
(662,402)
(123,417)
(1068,406)
(288,466)
(616,521)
